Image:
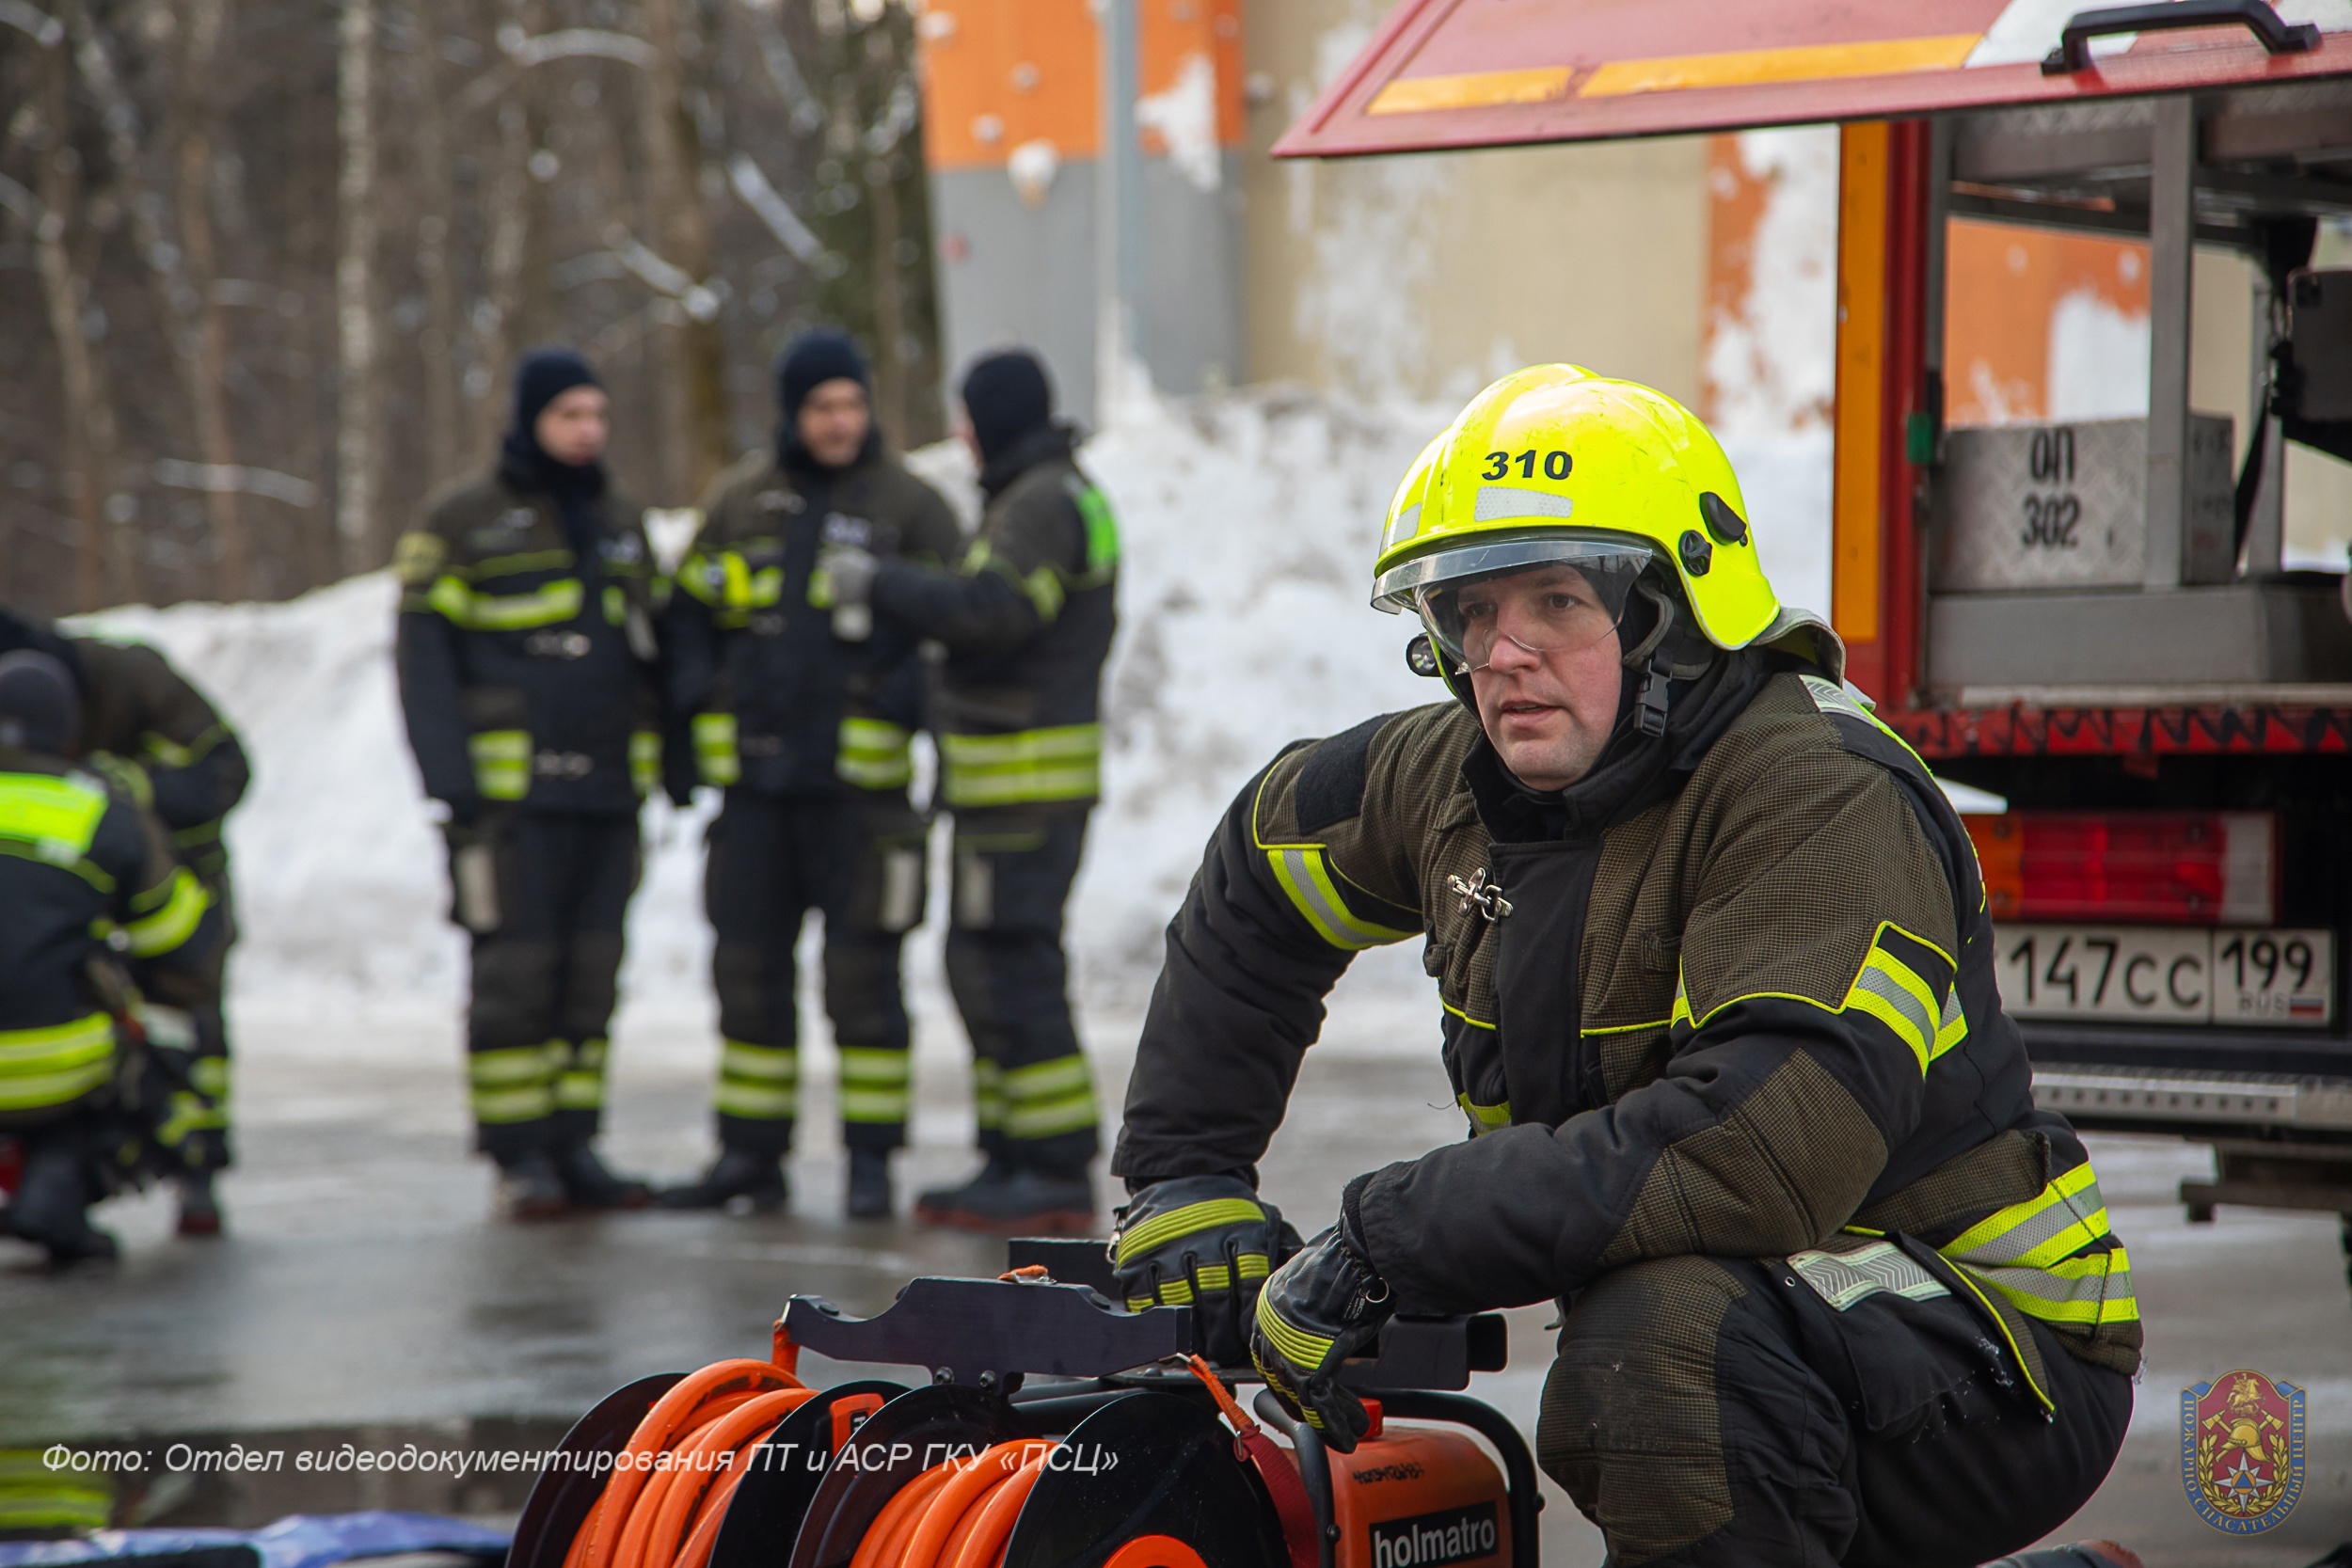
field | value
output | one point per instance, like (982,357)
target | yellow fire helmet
(1553,465)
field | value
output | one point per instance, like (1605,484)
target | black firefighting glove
(1318,1309)
(1205,1242)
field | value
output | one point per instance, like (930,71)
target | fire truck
(2089,622)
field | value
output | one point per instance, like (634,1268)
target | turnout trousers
(1031,1087)
(856,858)
(545,895)
(195,1125)
(1707,1411)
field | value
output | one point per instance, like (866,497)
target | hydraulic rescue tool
(1051,1429)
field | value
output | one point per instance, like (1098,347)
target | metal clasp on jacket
(562,765)
(1481,895)
(557,644)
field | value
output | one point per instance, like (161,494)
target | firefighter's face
(1548,703)
(572,427)
(834,420)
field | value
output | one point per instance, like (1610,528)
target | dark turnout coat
(1732,995)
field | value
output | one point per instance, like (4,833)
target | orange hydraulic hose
(678,1466)
(958,1514)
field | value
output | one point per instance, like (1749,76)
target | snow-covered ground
(1249,520)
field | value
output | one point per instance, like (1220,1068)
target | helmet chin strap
(1649,715)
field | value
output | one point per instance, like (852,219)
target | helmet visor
(1545,595)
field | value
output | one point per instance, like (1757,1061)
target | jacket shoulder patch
(1332,782)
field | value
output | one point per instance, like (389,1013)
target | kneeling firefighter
(803,711)
(1719,1007)
(528,678)
(145,726)
(106,929)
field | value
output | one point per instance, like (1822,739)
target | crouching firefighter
(803,711)
(145,726)
(1025,617)
(109,947)
(1719,1008)
(527,658)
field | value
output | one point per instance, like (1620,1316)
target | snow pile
(1249,523)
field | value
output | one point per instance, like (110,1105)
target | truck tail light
(2139,868)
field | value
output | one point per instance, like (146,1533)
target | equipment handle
(2277,37)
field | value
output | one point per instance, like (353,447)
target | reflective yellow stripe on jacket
(57,1064)
(53,818)
(715,757)
(1031,766)
(2034,1253)
(556,600)
(874,753)
(178,907)
(501,763)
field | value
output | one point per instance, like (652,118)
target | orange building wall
(2003,285)
(997,74)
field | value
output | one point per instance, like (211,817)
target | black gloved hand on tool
(1317,1310)
(1205,1242)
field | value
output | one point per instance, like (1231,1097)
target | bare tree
(674,156)
(88,411)
(356,411)
(205,362)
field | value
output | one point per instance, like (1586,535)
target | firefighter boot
(52,1206)
(870,1197)
(736,1176)
(1009,1199)
(531,1188)
(590,1183)
(200,1205)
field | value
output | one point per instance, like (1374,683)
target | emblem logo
(2242,1450)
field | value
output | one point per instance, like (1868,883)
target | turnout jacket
(528,667)
(85,873)
(780,703)
(1735,999)
(1026,618)
(190,768)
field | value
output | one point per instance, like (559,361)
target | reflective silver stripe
(1306,877)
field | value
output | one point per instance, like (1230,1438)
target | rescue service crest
(2242,1450)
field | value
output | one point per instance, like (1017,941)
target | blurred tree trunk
(437,345)
(206,366)
(356,402)
(89,424)
(508,202)
(890,316)
(695,403)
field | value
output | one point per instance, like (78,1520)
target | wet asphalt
(366,1296)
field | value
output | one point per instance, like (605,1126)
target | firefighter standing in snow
(526,662)
(1719,1013)
(803,711)
(1026,618)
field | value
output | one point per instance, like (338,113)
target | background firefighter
(1719,1008)
(804,710)
(527,660)
(105,930)
(147,727)
(1026,618)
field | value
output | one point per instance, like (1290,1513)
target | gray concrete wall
(1015,273)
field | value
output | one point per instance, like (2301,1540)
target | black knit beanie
(1007,396)
(812,359)
(544,375)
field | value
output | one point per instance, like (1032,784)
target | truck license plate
(2167,975)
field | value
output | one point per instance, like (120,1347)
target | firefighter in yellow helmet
(1719,1009)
